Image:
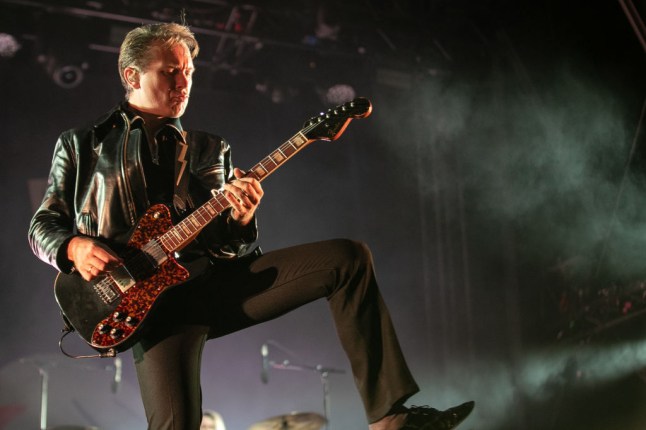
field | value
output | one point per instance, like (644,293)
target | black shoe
(425,418)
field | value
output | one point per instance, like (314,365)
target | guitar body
(106,316)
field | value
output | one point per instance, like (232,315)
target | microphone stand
(44,385)
(324,373)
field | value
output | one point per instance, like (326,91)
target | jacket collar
(122,112)
(104,123)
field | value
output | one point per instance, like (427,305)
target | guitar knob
(118,316)
(131,322)
(115,333)
(103,328)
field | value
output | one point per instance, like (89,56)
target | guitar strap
(180,193)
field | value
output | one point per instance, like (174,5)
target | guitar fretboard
(186,230)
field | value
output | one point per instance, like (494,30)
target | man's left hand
(244,194)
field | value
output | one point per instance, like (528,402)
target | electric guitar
(110,311)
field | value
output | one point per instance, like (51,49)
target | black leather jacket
(97,188)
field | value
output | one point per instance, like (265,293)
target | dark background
(499,182)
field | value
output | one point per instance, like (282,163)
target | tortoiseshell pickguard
(138,300)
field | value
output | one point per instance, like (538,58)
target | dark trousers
(241,293)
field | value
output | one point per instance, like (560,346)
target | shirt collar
(172,126)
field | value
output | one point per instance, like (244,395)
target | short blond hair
(135,49)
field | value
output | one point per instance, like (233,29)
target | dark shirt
(160,160)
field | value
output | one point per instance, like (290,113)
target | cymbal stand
(324,373)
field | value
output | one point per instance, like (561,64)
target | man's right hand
(91,258)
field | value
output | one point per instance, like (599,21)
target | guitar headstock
(330,125)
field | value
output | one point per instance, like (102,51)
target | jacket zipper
(130,198)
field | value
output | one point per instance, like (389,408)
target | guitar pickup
(122,278)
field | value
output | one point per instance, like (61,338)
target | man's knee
(353,251)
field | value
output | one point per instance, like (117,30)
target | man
(106,174)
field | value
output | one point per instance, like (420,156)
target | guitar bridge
(105,291)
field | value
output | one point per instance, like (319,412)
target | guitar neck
(276,159)
(327,126)
(185,231)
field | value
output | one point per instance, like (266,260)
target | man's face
(163,88)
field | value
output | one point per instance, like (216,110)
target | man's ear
(131,75)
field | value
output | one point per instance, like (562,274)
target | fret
(252,173)
(179,233)
(202,214)
(184,229)
(288,149)
(193,221)
(167,238)
(195,218)
(269,163)
(260,171)
(298,140)
(168,244)
(190,226)
(172,239)
(217,200)
(165,242)
(278,156)
(268,168)
(176,235)
(209,208)
(173,234)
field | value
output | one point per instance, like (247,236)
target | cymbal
(293,421)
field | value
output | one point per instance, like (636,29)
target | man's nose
(182,80)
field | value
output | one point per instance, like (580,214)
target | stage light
(65,74)
(339,93)
(8,45)
(69,76)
